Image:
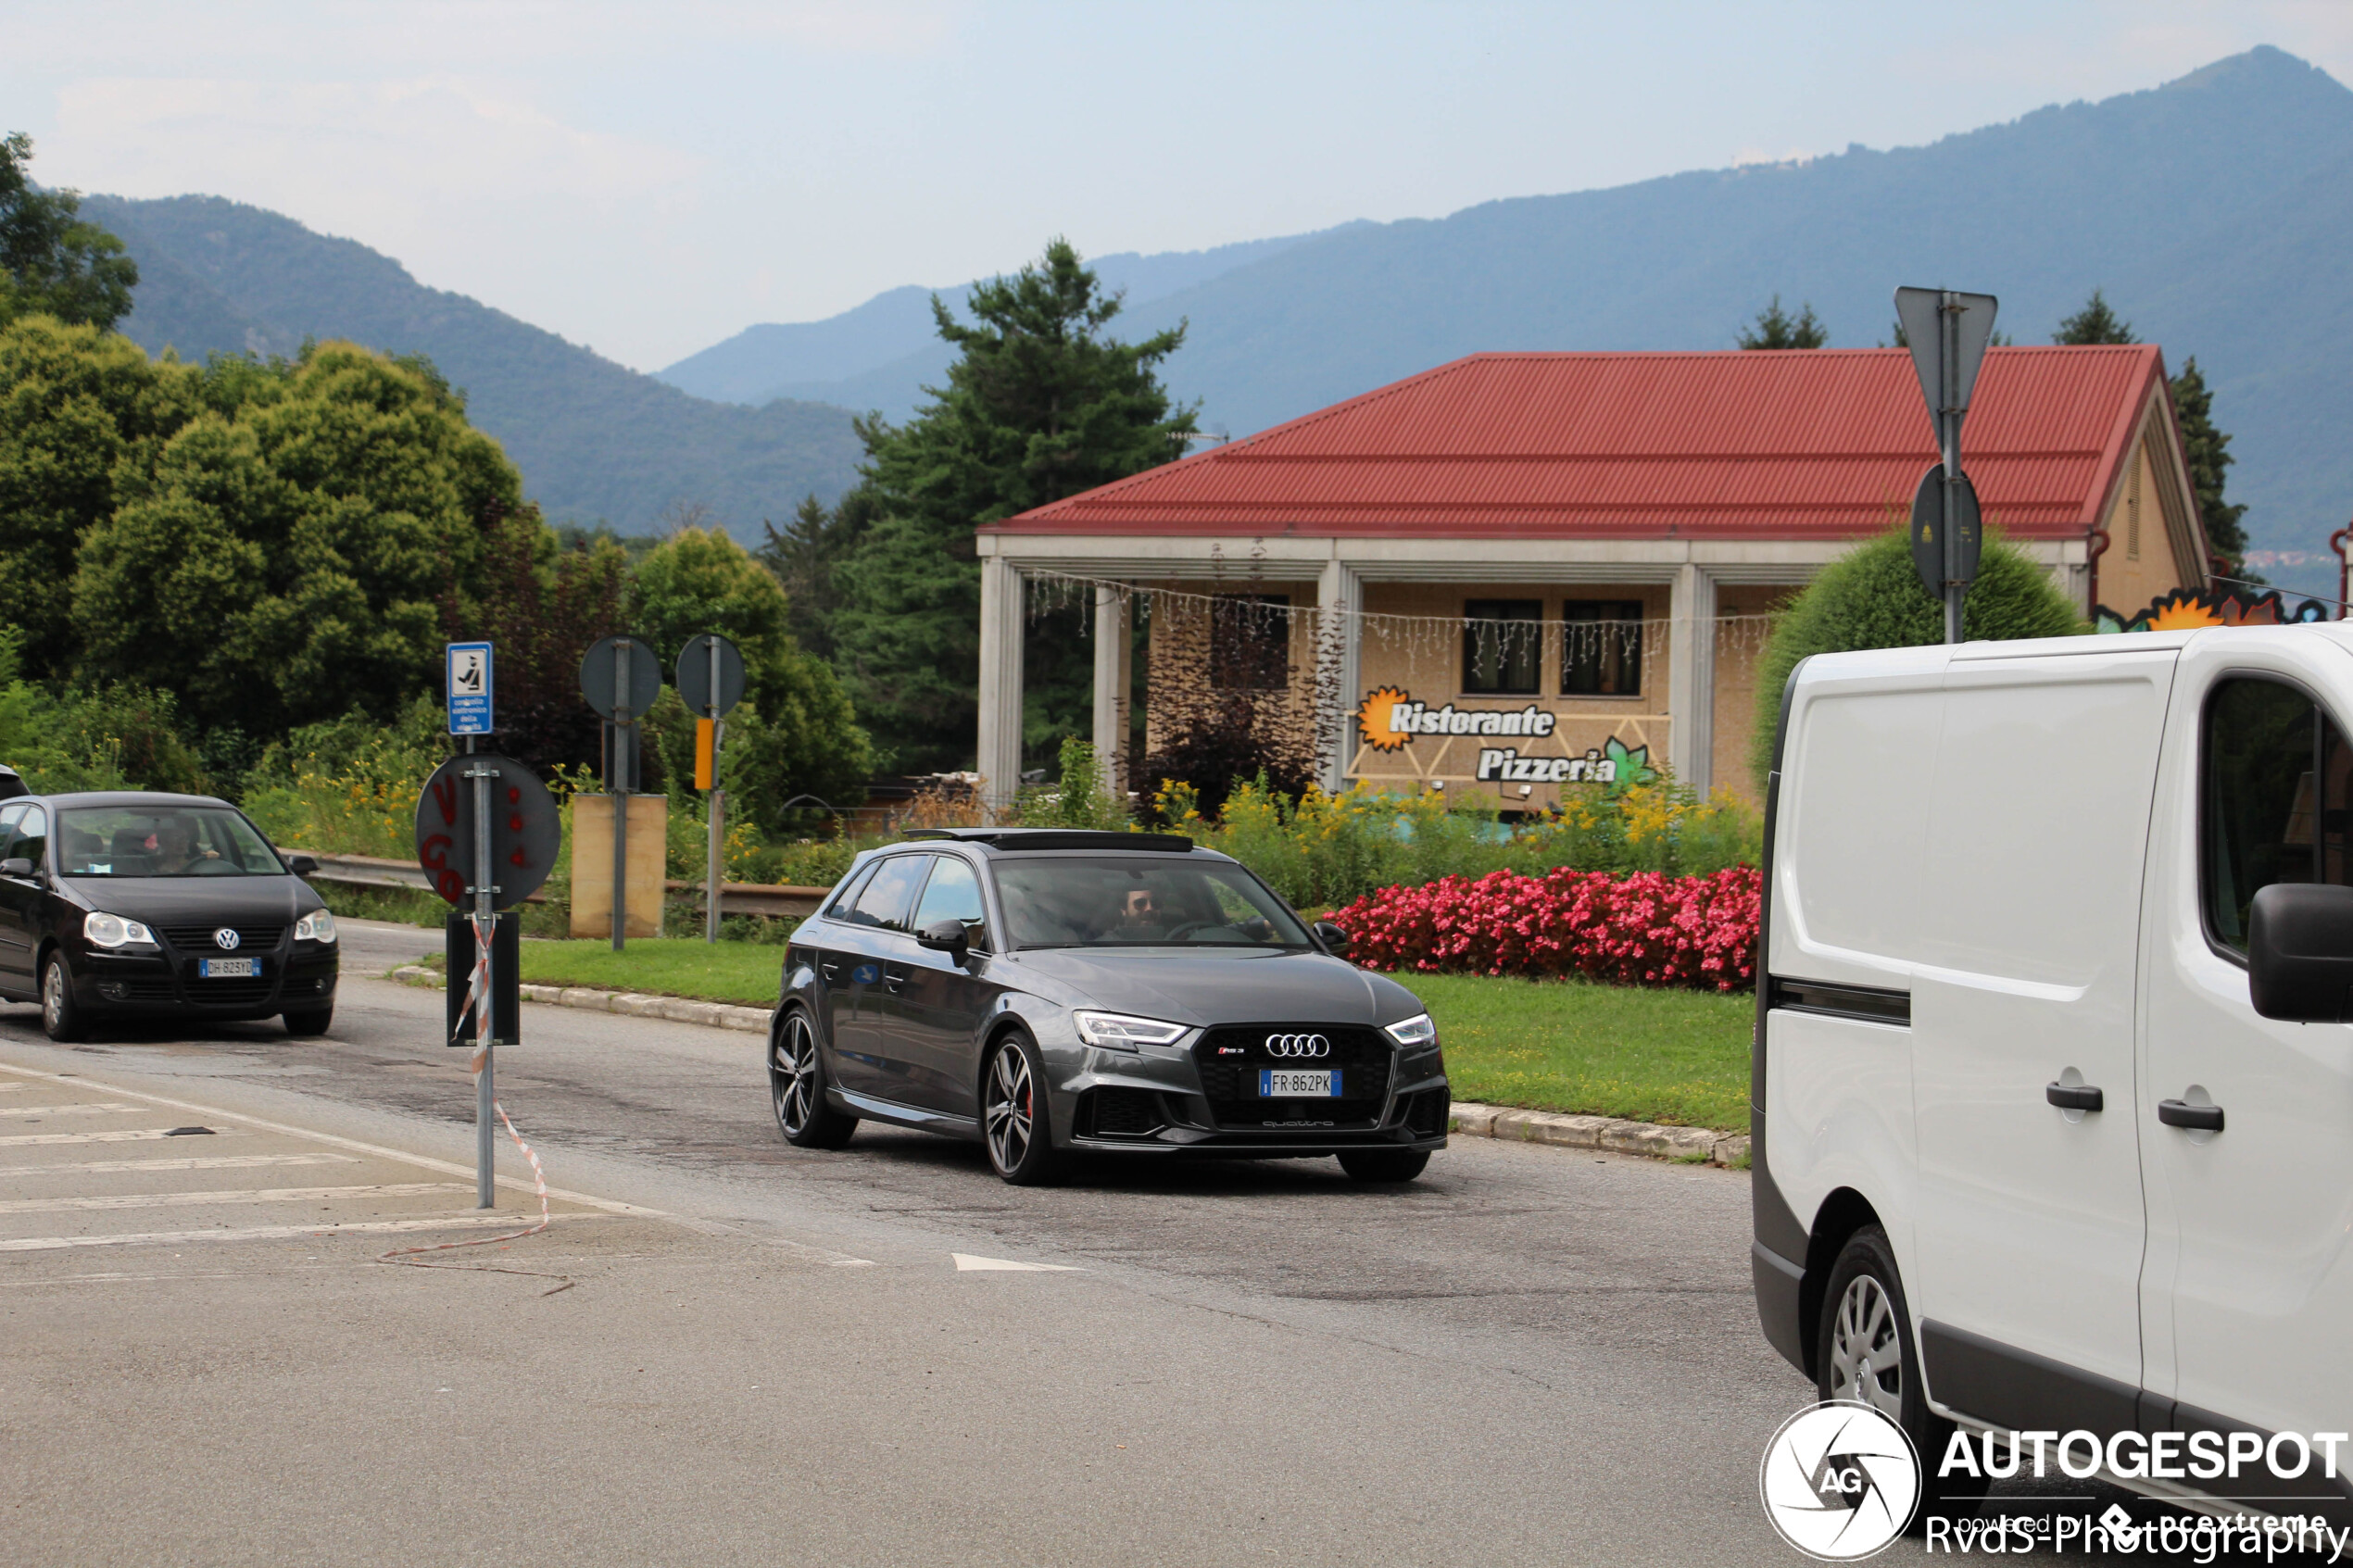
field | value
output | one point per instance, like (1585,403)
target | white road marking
(241,1194)
(273,1233)
(91,1110)
(514,1183)
(967,1263)
(214,1162)
(139,1135)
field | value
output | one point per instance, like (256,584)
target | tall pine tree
(1042,404)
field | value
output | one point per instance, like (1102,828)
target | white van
(2030,1156)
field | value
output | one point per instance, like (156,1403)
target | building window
(1249,642)
(1602,648)
(1503,646)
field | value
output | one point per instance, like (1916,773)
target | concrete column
(998,754)
(1113,672)
(1337,589)
(1691,677)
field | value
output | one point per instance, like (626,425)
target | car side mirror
(2299,952)
(1331,936)
(16,865)
(302,865)
(947,937)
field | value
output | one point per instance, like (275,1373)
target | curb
(1695,1145)
(677,1010)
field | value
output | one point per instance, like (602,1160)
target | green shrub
(1871,597)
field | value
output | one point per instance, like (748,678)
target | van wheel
(1865,1354)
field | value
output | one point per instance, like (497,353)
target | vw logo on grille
(1298,1044)
(226,936)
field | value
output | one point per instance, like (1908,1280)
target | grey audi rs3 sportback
(1042,991)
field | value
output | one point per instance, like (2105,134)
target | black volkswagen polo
(157,906)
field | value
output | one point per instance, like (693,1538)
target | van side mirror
(16,866)
(1331,936)
(302,865)
(2299,952)
(947,937)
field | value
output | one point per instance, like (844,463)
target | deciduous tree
(52,262)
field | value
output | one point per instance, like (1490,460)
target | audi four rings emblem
(1298,1044)
(226,936)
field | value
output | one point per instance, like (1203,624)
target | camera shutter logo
(1297,1046)
(226,938)
(1840,1481)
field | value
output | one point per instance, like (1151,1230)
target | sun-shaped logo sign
(1377,719)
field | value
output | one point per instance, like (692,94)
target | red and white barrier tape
(478,1000)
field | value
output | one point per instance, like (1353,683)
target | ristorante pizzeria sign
(1390,719)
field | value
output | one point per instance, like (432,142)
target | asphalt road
(1530,1356)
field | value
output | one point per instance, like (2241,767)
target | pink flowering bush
(1694,932)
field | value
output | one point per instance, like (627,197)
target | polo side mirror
(947,937)
(1332,936)
(17,866)
(302,865)
(2299,952)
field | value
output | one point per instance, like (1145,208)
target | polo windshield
(1140,900)
(168,841)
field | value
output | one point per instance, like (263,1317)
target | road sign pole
(710,870)
(619,786)
(1948,433)
(485,1094)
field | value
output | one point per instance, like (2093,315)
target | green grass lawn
(1677,1057)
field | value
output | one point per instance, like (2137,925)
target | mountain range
(2208,210)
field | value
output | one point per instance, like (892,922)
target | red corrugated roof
(1790,445)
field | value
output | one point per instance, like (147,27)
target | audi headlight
(1118,1032)
(316,926)
(113,931)
(1415,1032)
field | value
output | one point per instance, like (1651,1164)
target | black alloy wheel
(310,1023)
(61,1017)
(796,1088)
(1390,1165)
(1865,1354)
(1014,1119)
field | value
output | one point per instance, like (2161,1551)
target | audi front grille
(1231,1058)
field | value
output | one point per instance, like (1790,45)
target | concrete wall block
(1665,1143)
(582,996)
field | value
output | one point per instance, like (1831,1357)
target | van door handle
(2075,1096)
(2198,1118)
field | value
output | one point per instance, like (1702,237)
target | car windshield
(1140,900)
(161,841)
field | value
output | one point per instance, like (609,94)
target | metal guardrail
(775,900)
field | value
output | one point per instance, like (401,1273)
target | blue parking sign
(469,688)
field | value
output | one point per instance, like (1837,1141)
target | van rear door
(2030,1225)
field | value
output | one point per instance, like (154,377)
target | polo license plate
(229,969)
(1291,1083)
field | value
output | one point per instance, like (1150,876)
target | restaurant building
(1477,578)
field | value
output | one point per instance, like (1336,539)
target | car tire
(61,1016)
(797,1087)
(1384,1165)
(1016,1118)
(1865,1352)
(308,1024)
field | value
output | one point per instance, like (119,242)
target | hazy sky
(648,179)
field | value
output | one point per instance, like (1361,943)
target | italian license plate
(229,969)
(1293,1082)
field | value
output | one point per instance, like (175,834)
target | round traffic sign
(694,675)
(526,829)
(620,672)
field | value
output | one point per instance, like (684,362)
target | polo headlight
(113,931)
(316,926)
(1416,1033)
(1118,1032)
